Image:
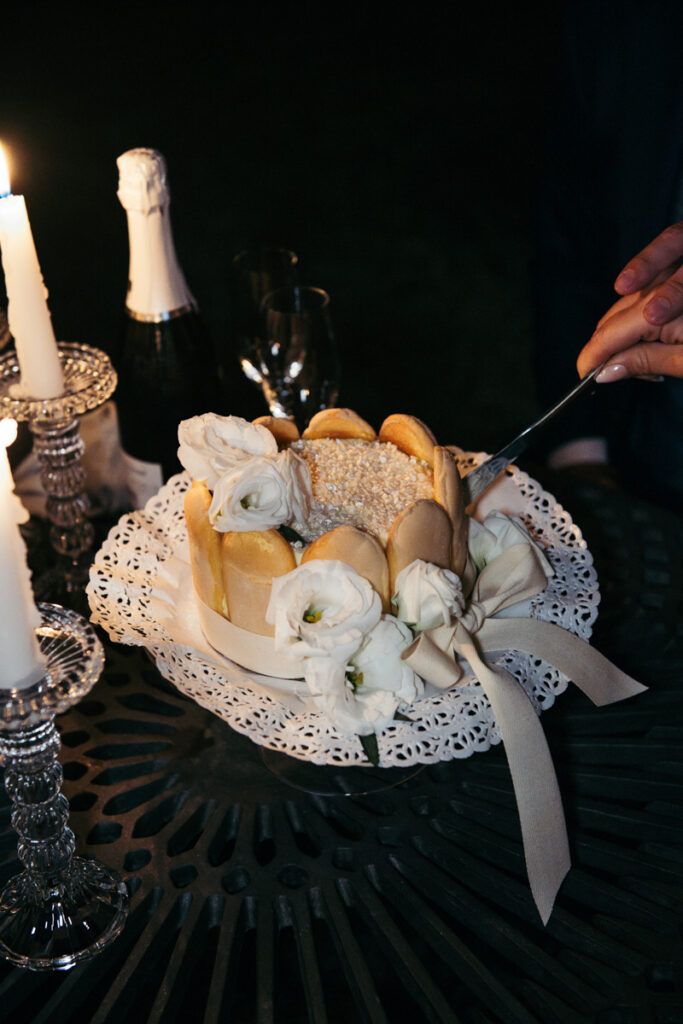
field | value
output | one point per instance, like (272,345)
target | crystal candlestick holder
(89,380)
(60,909)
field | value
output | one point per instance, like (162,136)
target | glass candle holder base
(60,909)
(53,925)
(64,584)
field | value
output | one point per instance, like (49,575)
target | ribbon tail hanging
(511,576)
(601,681)
(539,804)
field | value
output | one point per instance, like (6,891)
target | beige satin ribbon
(516,575)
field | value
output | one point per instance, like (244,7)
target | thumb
(646,359)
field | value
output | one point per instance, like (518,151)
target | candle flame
(8,432)
(5,189)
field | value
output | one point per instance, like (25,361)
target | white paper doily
(140,592)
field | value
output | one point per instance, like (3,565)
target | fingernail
(657,311)
(625,280)
(654,378)
(615,371)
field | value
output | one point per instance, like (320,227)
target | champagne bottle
(166,365)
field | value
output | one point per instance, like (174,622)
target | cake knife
(476,482)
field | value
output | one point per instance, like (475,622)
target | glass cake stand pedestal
(60,909)
(333,779)
(89,380)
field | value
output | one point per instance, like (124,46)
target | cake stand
(334,780)
(89,380)
(141,592)
(60,909)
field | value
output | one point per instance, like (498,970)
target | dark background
(396,153)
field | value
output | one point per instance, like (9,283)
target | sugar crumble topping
(360,483)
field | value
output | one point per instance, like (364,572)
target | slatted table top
(255,901)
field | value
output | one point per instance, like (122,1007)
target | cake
(311,555)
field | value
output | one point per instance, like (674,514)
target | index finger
(625,327)
(661,252)
(666,302)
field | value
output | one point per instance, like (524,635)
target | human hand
(626,336)
(666,303)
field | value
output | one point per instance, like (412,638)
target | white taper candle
(21,662)
(28,314)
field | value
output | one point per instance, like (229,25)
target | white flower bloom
(496,534)
(427,596)
(322,607)
(211,445)
(297,476)
(252,496)
(362,696)
(379,661)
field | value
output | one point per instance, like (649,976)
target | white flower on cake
(297,477)
(211,445)
(258,494)
(427,596)
(322,607)
(362,695)
(495,535)
(254,487)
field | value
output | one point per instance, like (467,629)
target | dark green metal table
(253,901)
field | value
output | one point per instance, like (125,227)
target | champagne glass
(254,273)
(300,365)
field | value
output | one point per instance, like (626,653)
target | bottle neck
(157,289)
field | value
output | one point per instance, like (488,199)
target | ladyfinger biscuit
(423,530)
(250,561)
(360,550)
(205,549)
(344,423)
(449,492)
(283,430)
(410,435)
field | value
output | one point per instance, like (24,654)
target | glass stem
(40,811)
(59,448)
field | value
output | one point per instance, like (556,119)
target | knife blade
(476,481)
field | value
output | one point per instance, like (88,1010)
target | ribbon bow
(516,575)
